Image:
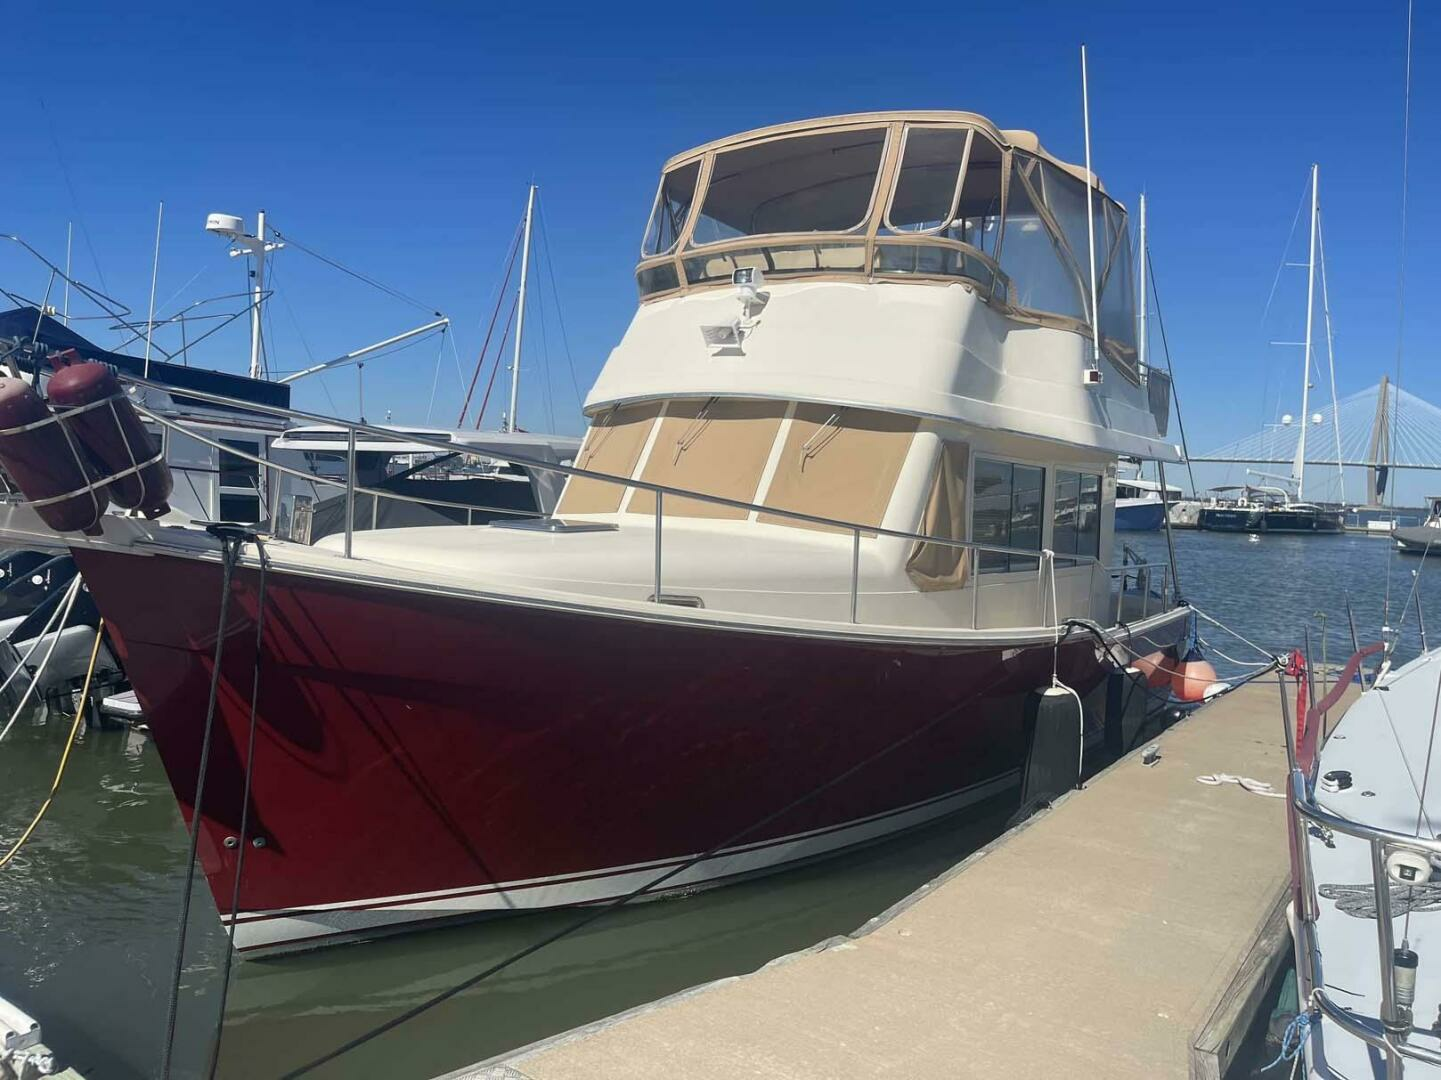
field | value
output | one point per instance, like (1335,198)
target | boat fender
(47,462)
(1193,678)
(1158,668)
(1053,721)
(114,436)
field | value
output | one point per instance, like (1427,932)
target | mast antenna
(1094,377)
(520,312)
(154,274)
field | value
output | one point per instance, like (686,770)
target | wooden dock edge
(1215,1045)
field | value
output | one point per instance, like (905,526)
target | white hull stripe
(297,928)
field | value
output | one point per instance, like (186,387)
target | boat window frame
(797,239)
(1047,470)
(702,177)
(900,164)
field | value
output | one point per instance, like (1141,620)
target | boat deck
(1114,935)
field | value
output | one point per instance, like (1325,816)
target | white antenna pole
(1141,337)
(154,274)
(69,235)
(257,293)
(1090,216)
(1298,470)
(520,314)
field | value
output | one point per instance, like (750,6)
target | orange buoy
(1194,678)
(45,463)
(113,434)
(1156,668)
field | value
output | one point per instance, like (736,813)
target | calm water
(89,910)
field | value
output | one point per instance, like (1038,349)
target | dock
(1131,930)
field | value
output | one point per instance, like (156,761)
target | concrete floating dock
(1129,931)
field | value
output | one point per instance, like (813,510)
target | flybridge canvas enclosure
(55,335)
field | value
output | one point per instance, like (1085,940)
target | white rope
(70,595)
(1240,637)
(1228,657)
(1246,783)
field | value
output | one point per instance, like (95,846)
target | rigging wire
(74,199)
(1175,394)
(435,378)
(1271,296)
(62,615)
(545,384)
(1330,360)
(304,343)
(495,370)
(372,282)
(499,295)
(1401,274)
(559,318)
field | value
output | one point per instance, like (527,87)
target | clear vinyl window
(803,184)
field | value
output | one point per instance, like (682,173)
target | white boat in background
(1138,504)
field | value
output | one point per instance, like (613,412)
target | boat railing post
(1420,621)
(1041,591)
(1355,641)
(1146,594)
(855,572)
(975,589)
(1310,668)
(1385,947)
(659,515)
(349,488)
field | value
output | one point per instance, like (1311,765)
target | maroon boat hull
(421,756)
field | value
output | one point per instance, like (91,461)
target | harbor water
(90,907)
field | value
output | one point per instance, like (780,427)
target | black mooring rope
(244,820)
(229,553)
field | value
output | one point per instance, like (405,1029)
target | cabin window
(1007,505)
(926,184)
(240,482)
(672,208)
(1042,277)
(809,183)
(1076,516)
(612,446)
(719,447)
(839,463)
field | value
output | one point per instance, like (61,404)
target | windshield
(672,207)
(810,183)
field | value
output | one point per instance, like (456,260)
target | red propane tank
(45,463)
(114,436)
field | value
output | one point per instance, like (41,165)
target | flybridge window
(809,183)
(925,192)
(672,207)
(1043,277)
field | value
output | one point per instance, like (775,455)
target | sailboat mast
(520,311)
(1298,470)
(1141,306)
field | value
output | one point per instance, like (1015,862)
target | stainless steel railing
(1396,1024)
(1046,561)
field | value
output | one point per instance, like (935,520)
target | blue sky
(400,142)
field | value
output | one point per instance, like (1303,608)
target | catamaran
(845,504)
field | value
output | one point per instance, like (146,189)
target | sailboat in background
(1277,511)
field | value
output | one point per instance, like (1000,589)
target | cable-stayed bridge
(1380,428)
